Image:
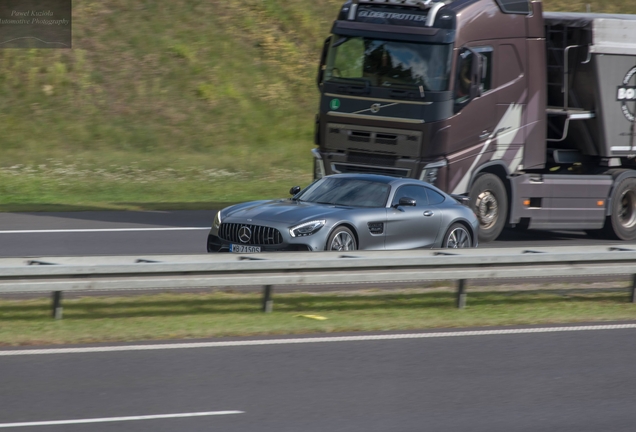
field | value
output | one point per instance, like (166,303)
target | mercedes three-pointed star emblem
(244,234)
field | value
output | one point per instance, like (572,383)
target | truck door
(410,227)
(473,124)
(509,134)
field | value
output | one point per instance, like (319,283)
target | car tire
(621,224)
(489,201)
(341,239)
(457,237)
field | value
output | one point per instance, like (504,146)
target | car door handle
(485,134)
(428,213)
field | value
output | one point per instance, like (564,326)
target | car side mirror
(294,190)
(406,202)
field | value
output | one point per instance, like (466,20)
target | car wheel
(341,239)
(457,237)
(489,202)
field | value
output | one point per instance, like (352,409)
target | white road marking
(315,340)
(102,230)
(118,419)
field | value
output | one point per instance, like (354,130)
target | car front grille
(259,235)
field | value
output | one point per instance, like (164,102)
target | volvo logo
(245,234)
(375,108)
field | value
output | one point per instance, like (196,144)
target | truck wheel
(489,201)
(621,224)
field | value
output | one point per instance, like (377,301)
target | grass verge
(172,316)
(172,105)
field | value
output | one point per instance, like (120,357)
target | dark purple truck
(529,114)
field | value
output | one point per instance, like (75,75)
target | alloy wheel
(458,239)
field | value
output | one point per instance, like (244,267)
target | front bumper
(215,244)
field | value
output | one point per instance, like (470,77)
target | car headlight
(217,220)
(307,228)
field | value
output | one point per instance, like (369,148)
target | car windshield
(346,192)
(389,63)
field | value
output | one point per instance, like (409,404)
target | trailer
(531,115)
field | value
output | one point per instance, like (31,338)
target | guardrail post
(461,294)
(268,303)
(634,288)
(57,305)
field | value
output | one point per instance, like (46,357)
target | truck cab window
(345,59)
(391,64)
(465,65)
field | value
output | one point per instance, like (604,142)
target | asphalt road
(560,381)
(168,232)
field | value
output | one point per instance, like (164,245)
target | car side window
(418,193)
(434,197)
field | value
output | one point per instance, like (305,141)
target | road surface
(167,232)
(576,381)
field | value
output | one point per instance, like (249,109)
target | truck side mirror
(477,74)
(323,61)
(470,70)
(294,190)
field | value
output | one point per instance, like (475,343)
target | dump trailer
(528,114)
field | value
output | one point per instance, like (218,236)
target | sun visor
(393,32)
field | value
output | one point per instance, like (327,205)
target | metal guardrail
(112,273)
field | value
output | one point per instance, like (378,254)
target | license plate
(244,249)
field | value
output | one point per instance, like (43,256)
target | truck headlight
(217,220)
(429,172)
(307,228)
(319,165)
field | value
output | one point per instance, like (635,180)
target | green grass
(169,316)
(155,97)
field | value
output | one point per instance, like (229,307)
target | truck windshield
(389,63)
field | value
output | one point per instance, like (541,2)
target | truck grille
(367,169)
(259,235)
(371,159)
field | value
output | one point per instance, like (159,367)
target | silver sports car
(347,212)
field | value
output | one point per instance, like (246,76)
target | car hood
(282,211)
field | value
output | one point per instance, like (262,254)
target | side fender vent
(376,227)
